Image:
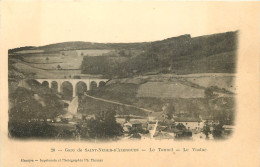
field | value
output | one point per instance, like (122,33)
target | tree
(206,129)
(76,77)
(104,125)
(180,126)
(170,110)
(27,107)
(217,131)
(122,53)
(208,93)
(53,107)
(127,118)
(58,67)
(24,106)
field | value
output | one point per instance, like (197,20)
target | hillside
(179,55)
(214,53)
(185,93)
(77,45)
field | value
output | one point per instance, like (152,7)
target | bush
(31,130)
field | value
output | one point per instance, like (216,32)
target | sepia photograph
(175,88)
(129,83)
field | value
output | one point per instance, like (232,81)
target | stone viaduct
(58,83)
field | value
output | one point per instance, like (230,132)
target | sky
(36,23)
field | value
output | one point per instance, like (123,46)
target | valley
(177,78)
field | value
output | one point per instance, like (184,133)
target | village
(157,125)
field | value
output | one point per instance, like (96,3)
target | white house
(189,122)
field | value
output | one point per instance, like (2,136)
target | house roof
(187,119)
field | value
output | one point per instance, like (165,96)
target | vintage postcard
(129,83)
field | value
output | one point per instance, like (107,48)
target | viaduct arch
(56,84)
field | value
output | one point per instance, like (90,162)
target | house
(170,124)
(151,125)
(136,124)
(157,116)
(127,126)
(209,120)
(190,123)
(228,129)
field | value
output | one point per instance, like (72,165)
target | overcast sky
(38,23)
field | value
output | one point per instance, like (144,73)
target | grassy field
(91,106)
(188,106)
(154,92)
(44,65)
(66,59)
(51,61)
(94,52)
(172,89)
(226,82)
(37,73)
(169,86)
